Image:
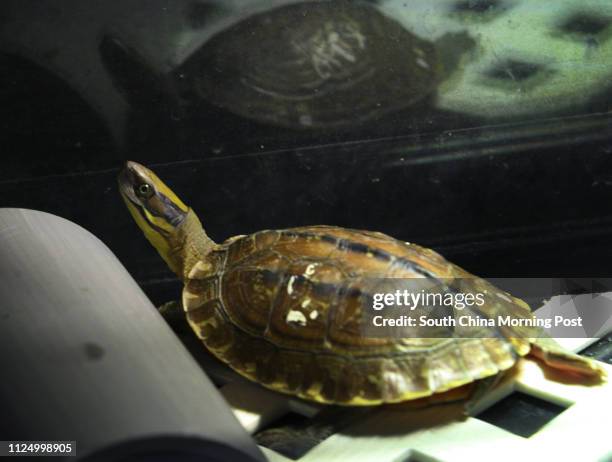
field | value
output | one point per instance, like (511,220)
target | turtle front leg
(480,389)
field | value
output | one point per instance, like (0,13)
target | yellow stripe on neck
(157,240)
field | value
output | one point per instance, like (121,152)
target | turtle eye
(143,190)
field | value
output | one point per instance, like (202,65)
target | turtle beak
(132,171)
(134,167)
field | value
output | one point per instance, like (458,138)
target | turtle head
(165,220)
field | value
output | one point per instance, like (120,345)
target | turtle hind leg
(556,357)
(174,315)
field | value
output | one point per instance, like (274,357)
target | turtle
(287,308)
(319,64)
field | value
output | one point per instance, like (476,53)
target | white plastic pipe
(85,357)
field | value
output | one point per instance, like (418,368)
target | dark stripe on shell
(358,247)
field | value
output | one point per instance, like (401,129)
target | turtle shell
(312,65)
(288,309)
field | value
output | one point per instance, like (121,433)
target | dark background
(514,199)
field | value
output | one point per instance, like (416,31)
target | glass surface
(478,127)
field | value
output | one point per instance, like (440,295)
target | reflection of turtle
(286,308)
(318,64)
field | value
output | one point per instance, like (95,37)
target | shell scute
(250,294)
(199,291)
(240,248)
(204,314)
(299,315)
(208,321)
